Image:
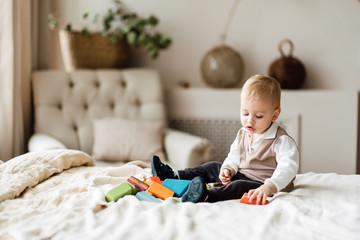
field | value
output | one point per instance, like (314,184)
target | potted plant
(109,48)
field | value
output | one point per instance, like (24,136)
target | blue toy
(179,186)
(145,196)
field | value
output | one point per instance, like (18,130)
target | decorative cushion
(117,139)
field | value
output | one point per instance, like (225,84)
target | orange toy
(154,179)
(159,191)
(245,199)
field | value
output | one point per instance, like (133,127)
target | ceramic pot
(222,67)
(288,70)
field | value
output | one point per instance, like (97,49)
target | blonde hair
(261,86)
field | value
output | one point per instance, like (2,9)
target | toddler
(263,158)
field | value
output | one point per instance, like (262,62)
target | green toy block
(134,187)
(118,192)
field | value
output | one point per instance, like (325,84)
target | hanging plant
(138,32)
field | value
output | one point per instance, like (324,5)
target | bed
(59,194)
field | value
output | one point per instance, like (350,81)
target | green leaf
(53,21)
(132,24)
(143,39)
(154,53)
(150,46)
(131,38)
(107,23)
(85,32)
(113,38)
(95,18)
(164,41)
(117,2)
(86,13)
(68,27)
(153,20)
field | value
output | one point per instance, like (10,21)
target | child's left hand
(262,192)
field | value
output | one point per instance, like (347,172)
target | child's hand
(225,176)
(262,192)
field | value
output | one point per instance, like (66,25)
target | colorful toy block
(179,186)
(154,179)
(118,192)
(140,184)
(159,191)
(145,196)
(245,199)
(134,187)
(215,184)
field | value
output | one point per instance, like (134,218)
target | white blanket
(70,205)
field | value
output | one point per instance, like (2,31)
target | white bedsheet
(70,205)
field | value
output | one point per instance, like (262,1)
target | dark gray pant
(210,173)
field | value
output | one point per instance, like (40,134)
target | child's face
(257,116)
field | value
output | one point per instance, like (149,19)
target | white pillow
(117,139)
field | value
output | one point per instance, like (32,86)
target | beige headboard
(65,104)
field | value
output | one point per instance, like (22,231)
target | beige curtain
(16,57)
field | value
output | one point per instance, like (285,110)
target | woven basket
(222,67)
(93,51)
(288,70)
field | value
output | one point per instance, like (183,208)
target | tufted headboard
(65,104)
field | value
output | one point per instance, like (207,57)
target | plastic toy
(118,192)
(154,179)
(159,191)
(177,185)
(142,185)
(145,196)
(135,188)
(245,199)
(215,184)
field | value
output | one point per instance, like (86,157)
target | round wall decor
(288,70)
(222,67)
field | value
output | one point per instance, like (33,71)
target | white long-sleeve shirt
(287,156)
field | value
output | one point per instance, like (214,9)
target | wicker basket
(93,51)
(288,70)
(222,67)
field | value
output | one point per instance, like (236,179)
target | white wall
(326,35)
(326,129)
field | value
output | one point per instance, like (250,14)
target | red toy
(245,199)
(154,179)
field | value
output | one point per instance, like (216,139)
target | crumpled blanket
(71,205)
(29,169)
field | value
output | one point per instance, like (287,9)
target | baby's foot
(161,170)
(196,191)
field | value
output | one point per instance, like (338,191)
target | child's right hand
(225,176)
